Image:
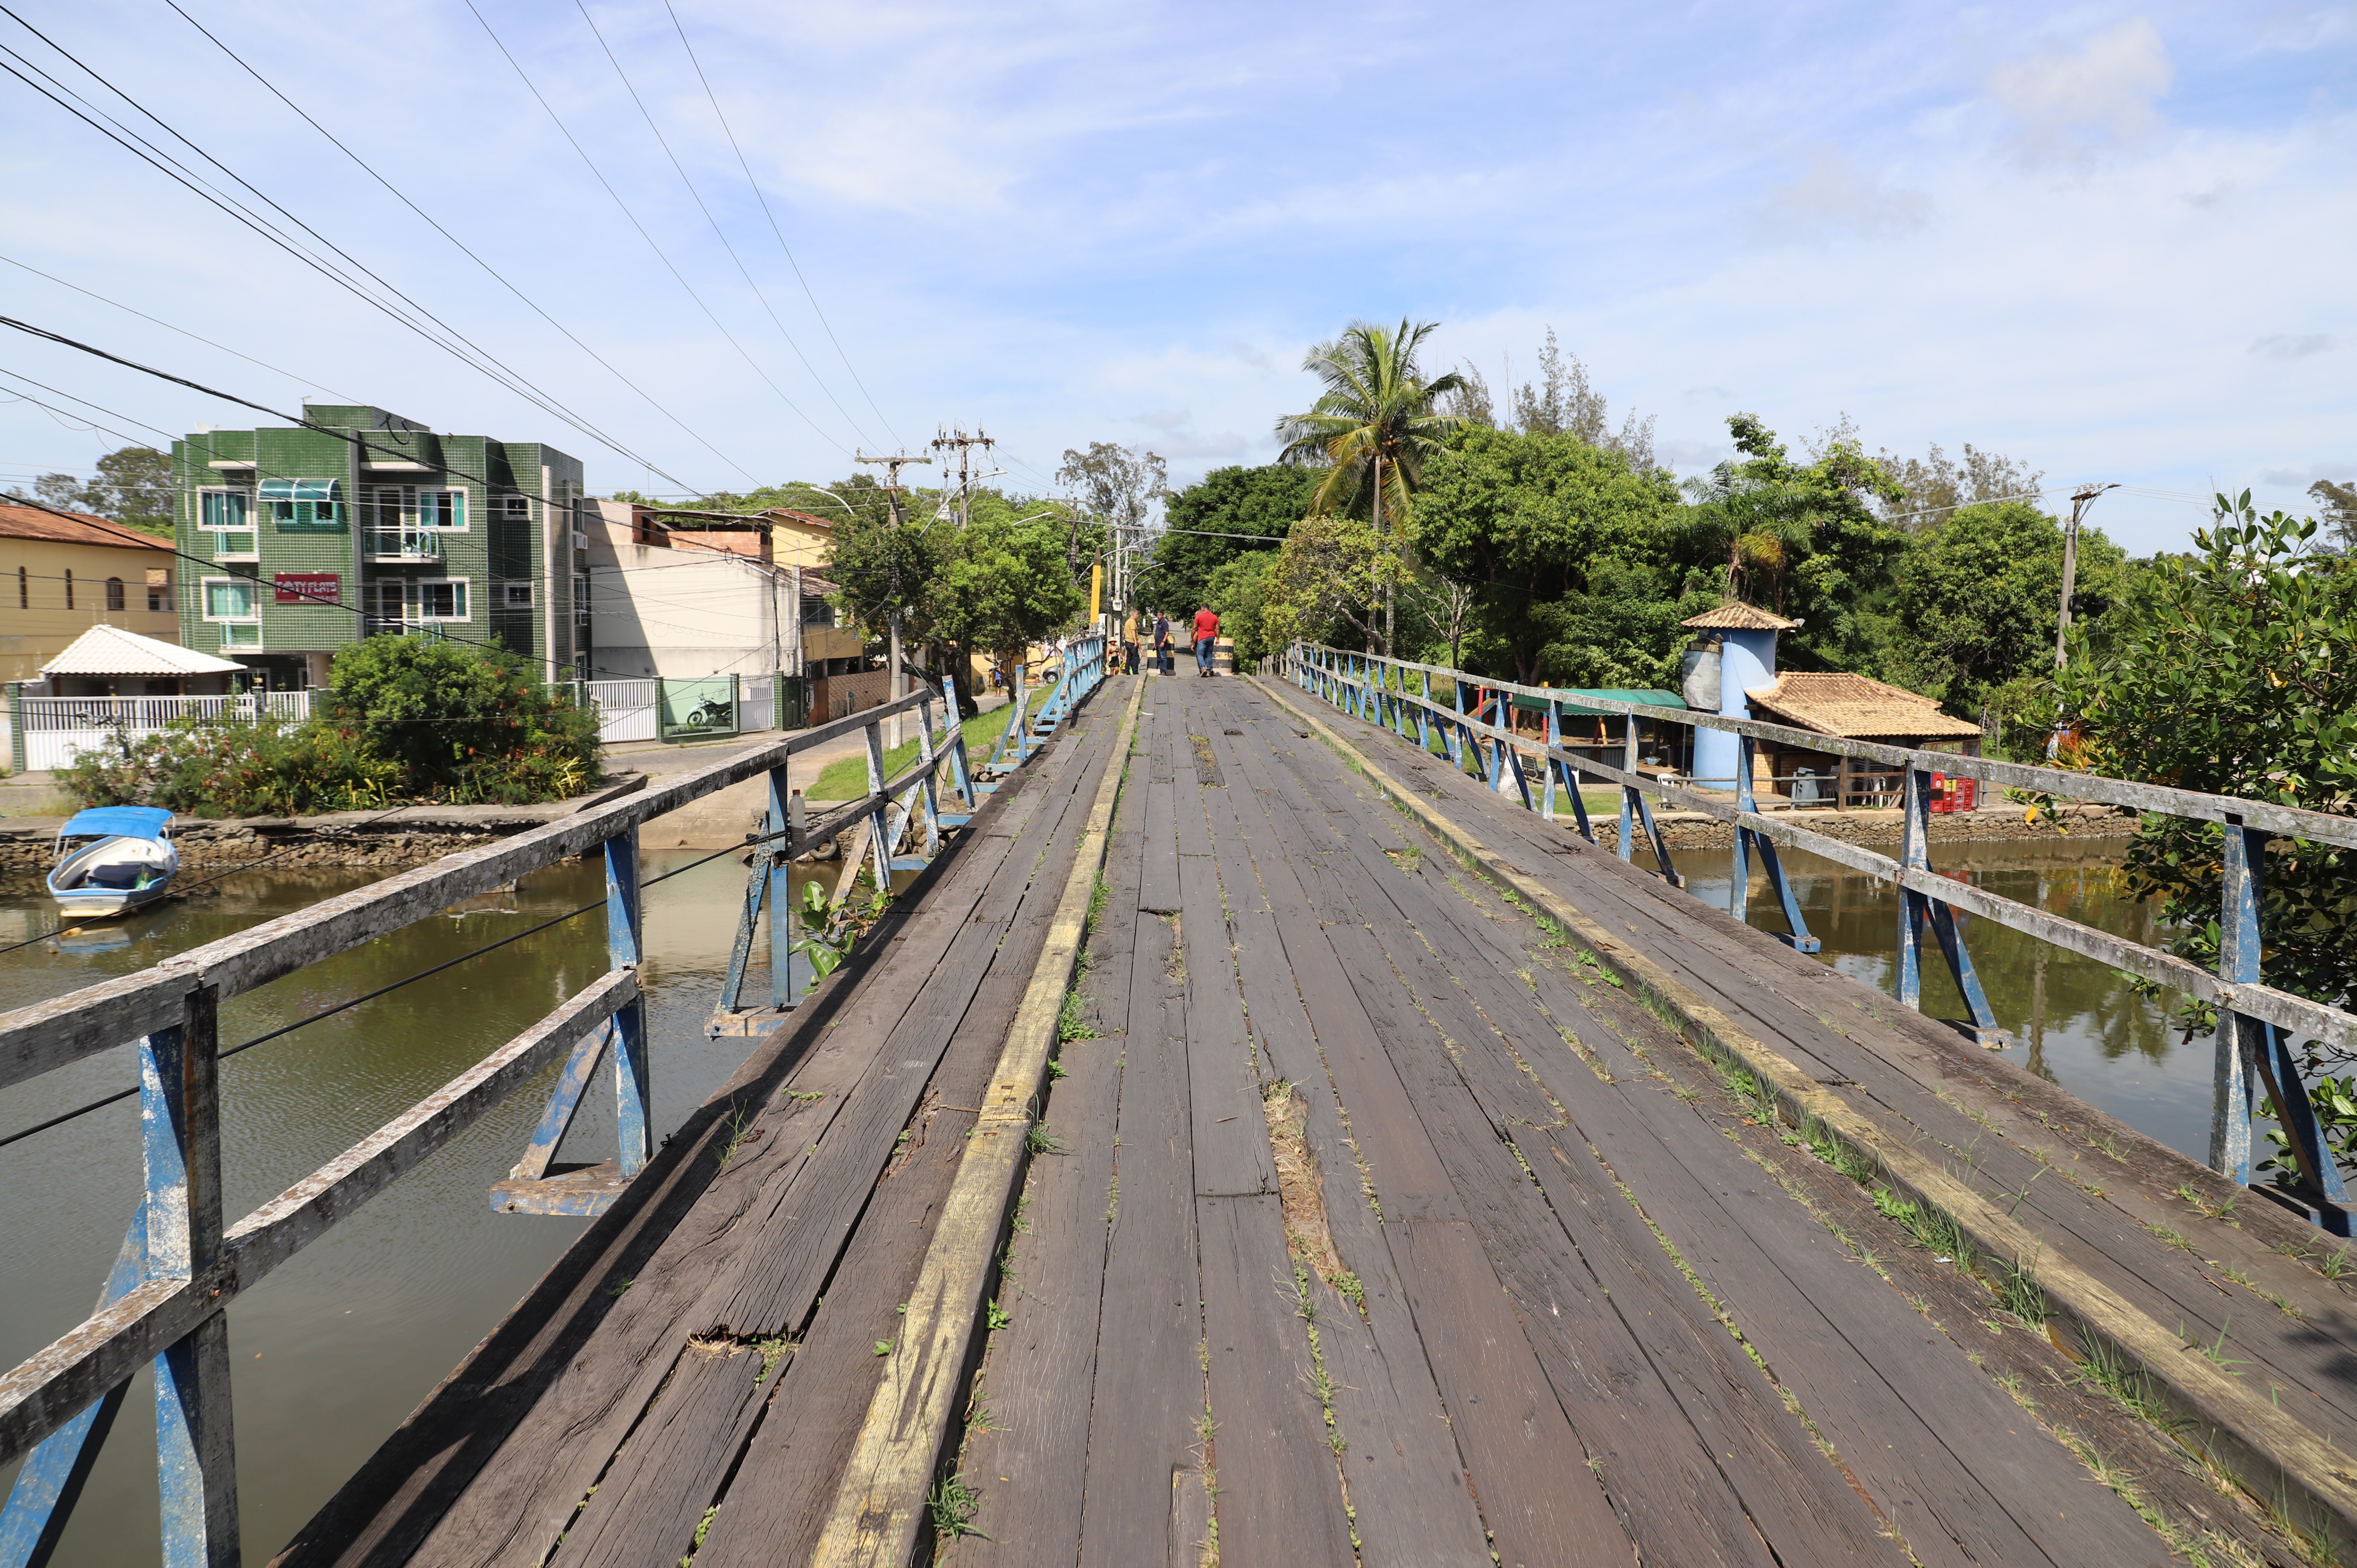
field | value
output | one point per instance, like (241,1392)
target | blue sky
(2112,242)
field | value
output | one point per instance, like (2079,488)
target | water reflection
(2074,1020)
(336,1348)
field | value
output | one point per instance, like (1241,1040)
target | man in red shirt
(1207,633)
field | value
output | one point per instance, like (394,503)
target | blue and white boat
(129,862)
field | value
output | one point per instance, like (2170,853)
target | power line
(666,144)
(449,338)
(762,196)
(446,233)
(181,330)
(643,234)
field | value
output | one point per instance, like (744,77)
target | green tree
(1376,424)
(464,721)
(1006,586)
(1527,522)
(2340,505)
(1239,591)
(133,486)
(1979,594)
(1803,539)
(1262,503)
(2234,671)
(1117,487)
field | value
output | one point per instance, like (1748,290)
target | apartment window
(442,598)
(511,509)
(516,594)
(817,611)
(114,593)
(69,588)
(228,516)
(406,522)
(581,603)
(159,587)
(304,506)
(235,604)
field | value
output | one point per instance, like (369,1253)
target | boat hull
(114,876)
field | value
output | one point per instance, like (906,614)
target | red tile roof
(72,528)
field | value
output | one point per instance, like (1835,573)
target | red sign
(307,587)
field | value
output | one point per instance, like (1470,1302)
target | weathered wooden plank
(1158,892)
(1608,1336)
(565,1434)
(879,1509)
(1149,1382)
(1405,1476)
(1529,1469)
(1231,1137)
(1029,1460)
(1279,1499)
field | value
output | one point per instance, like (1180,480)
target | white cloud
(2300,478)
(1832,198)
(2069,105)
(2293,345)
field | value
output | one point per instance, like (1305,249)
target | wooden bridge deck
(1384,1217)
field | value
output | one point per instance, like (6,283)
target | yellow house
(61,574)
(803,544)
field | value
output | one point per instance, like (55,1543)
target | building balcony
(405,544)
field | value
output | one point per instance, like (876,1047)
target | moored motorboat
(129,862)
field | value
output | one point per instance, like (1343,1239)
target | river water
(331,1351)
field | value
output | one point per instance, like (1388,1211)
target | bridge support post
(1748,843)
(2254,1055)
(1424,717)
(1919,910)
(1629,800)
(195,1457)
(632,1071)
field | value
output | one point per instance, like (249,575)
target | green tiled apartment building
(317,537)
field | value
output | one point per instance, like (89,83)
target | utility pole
(892,466)
(958,438)
(2081,499)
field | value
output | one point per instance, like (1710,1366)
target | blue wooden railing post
(2238,1036)
(954,736)
(196,1458)
(1424,717)
(2245,1044)
(1915,853)
(776,885)
(1738,886)
(632,1071)
(1628,845)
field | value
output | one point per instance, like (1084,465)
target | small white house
(672,597)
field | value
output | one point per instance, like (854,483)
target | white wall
(671,612)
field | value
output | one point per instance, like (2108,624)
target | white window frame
(510,589)
(240,632)
(465,592)
(221,534)
(253,592)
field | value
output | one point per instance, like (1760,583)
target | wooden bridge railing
(2256,1022)
(180,1265)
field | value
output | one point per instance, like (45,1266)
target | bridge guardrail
(180,1265)
(2256,1021)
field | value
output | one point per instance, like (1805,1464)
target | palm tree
(1374,424)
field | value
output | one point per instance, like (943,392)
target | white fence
(57,729)
(625,709)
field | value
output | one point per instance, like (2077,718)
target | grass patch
(845,778)
(1039,1140)
(1073,1019)
(952,1503)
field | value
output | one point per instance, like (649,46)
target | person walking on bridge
(1162,641)
(1207,637)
